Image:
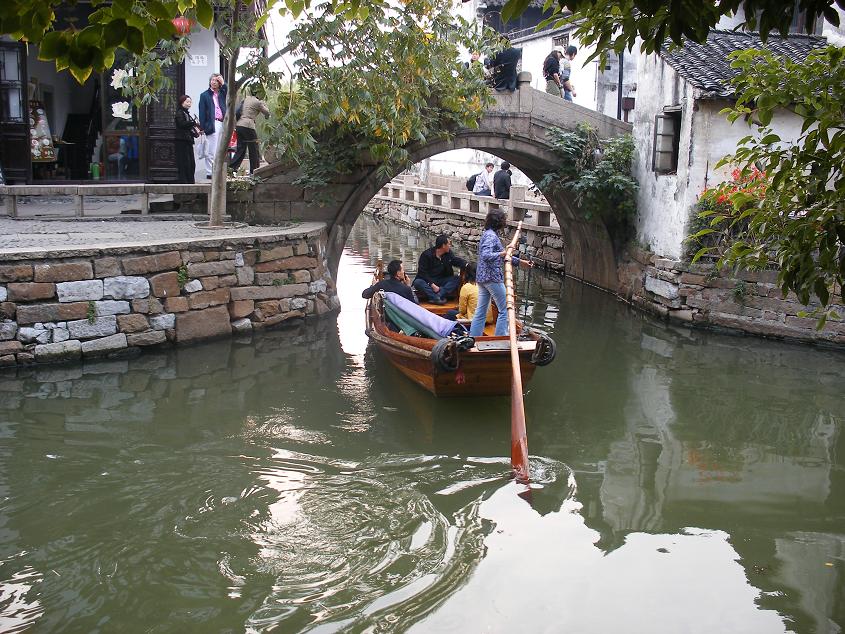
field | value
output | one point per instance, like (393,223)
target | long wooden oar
(519,437)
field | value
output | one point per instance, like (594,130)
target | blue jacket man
(206,106)
(211,121)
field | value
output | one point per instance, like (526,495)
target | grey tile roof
(707,67)
(536,4)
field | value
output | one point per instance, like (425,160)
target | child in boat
(468,299)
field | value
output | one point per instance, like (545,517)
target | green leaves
(374,81)
(598,175)
(616,25)
(54,44)
(205,14)
(793,217)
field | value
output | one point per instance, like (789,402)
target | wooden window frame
(672,114)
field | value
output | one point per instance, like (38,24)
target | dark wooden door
(160,128)
(14,114)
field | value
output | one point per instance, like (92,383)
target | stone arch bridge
(515,128)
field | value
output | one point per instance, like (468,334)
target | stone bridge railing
(460,214)
(451,193)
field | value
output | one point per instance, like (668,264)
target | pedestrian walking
(484,181)
(187,129)
(212,110)
(551,71)
(504,67)
(247,135)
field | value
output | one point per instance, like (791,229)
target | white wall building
(680,134)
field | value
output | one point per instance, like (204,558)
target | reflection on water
(687,481)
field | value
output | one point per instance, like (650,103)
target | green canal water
(685,481)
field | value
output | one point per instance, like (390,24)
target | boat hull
(484,370)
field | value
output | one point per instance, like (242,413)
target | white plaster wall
(661,200)
(68,95)
(196,75)
(665,200)
(835,34)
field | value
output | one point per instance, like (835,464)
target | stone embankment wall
(461,215)
(108,302)
(748,301)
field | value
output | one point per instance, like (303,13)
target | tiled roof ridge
(774,34)
(705,65)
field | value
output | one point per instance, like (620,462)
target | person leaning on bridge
(395,282)
(187,129)
(247,136)
(435,271)
(484,181)
(502,182)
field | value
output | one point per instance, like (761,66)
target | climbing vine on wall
(597,172)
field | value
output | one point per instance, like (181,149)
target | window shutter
(667,128)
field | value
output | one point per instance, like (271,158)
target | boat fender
(545,351)
(444,355)
(465,342)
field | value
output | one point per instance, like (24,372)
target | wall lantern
(182,24)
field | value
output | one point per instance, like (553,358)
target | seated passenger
(468,299)
(435,273)
(395,282)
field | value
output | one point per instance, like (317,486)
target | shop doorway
(54,131)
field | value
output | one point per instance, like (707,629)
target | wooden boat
(456,366)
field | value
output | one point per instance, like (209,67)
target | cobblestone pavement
(28,234)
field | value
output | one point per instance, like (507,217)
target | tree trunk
(217,197)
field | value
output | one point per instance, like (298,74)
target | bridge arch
(515,129)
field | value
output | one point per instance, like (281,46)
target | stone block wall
(747,301)
(544,243)
(111,302)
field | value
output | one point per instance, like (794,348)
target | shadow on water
(291,481)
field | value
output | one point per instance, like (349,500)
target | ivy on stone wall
(597,173)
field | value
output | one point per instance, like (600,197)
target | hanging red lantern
(182,24)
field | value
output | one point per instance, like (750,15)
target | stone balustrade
(453,210)
(450,193)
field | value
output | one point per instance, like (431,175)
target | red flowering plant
(722,214)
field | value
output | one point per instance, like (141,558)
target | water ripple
(360,547)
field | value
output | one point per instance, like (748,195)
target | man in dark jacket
(504,68)
(502,182)
(395,282)
(212,110)
(435,273)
